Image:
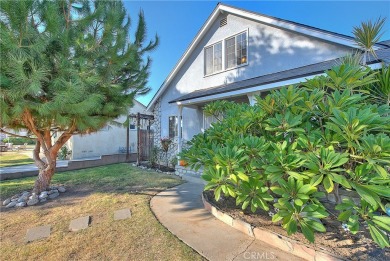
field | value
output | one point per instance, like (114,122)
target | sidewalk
(30,170)
(29,167)
(180,210)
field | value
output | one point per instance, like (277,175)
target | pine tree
(68,66)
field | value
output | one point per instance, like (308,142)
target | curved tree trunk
(46,168)
(44,177)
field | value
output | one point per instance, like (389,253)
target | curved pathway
(180,210)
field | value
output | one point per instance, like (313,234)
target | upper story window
(236,50)
(213,58)
(226,54)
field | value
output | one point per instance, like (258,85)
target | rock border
(26,198)
(274,239)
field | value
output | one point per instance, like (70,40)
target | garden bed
(336,240)
(157,167)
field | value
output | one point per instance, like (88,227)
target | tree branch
(15,135)
(65,136)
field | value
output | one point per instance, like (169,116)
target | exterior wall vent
(223,22)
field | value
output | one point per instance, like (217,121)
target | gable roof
(265,19)
(278,77)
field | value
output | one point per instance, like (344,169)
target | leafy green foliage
(297,144)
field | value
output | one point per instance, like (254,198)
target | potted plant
(183,163)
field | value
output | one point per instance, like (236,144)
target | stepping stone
(37,233)
(122,214)
(79,223)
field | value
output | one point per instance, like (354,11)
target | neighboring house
(238,54)
(109,140)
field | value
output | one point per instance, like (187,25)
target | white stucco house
(238,54)
(109,140)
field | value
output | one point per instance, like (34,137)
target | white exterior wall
(270,50)
(104,142)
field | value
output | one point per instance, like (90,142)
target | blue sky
(177,23)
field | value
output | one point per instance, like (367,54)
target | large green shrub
(280,154)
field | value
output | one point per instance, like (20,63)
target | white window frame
(175,128)
(235,50)
(213,57)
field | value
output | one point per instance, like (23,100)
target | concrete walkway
(180,210)
(29,167)
(30,170)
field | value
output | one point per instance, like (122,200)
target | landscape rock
(43,200)
(11,204)
(42,196)
(61,189)
(22,199)
(33,200)
(15,196)
(54,191)
(6,202)
(14,199)
(21,204)
(54,195)
(26,194)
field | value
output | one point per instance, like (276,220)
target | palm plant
(367,35)
(353,59)
(381,88)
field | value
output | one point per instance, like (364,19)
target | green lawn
(12,158)
(113,178)
(97,192)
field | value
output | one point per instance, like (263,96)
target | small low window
(210,119)
(132,126)
(173,124)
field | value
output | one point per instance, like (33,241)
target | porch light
(243,59)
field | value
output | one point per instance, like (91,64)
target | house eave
(245,91)
(254,89)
